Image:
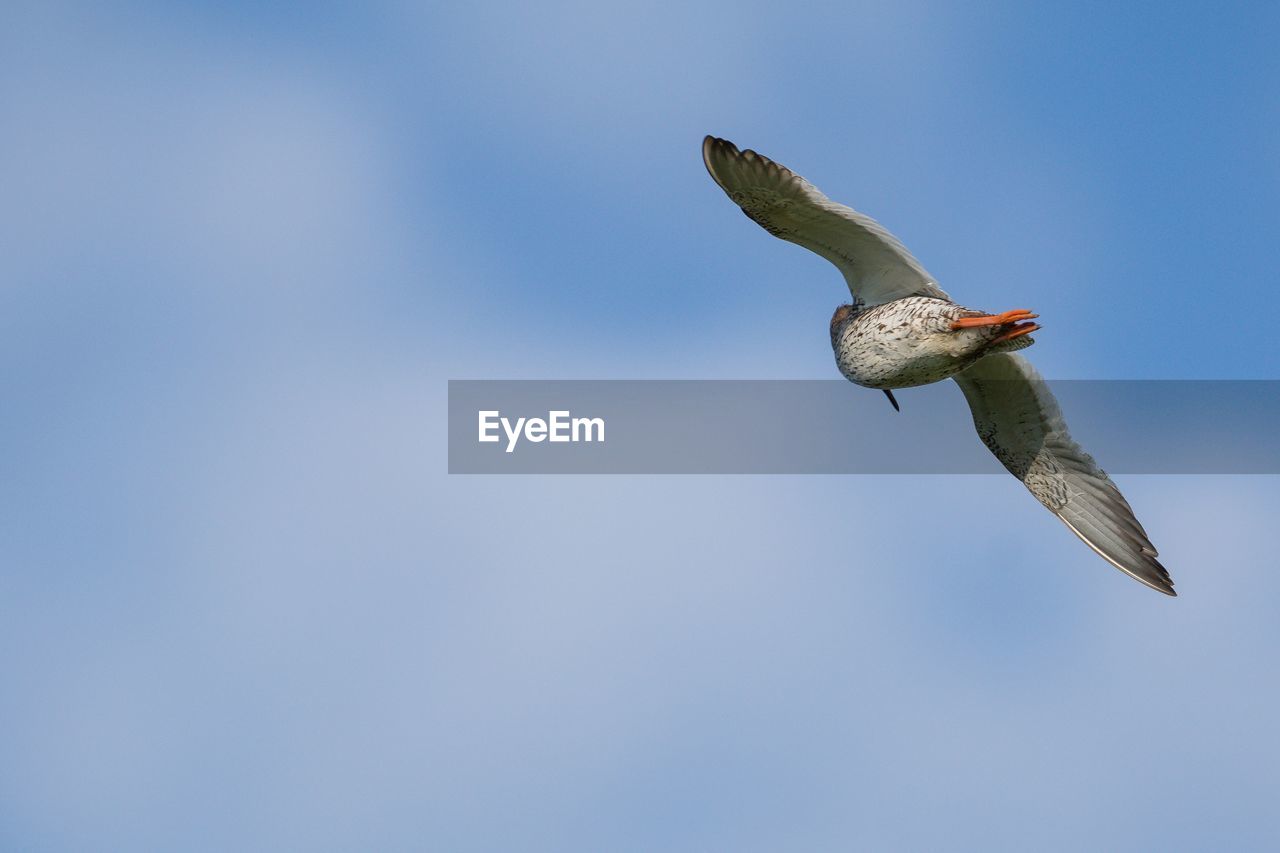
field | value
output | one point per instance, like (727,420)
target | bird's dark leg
(889,394)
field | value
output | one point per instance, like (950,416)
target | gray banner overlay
(834,427)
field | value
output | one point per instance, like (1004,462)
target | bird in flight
(902,330)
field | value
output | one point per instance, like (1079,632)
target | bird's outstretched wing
(1020,422)
(875,265)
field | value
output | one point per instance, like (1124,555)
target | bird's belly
(897,361)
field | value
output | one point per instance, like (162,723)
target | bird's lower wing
(1018,419)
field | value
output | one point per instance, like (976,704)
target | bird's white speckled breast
(906,342)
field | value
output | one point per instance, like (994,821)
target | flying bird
(902,330)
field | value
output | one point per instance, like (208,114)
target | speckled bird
(902,330)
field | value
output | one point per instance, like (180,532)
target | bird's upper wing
(1020,422)
(876,266)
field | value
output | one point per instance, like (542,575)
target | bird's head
(838,319)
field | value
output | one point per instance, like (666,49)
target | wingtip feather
(714,148)
(1157,578)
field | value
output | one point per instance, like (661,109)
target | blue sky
(244,607)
